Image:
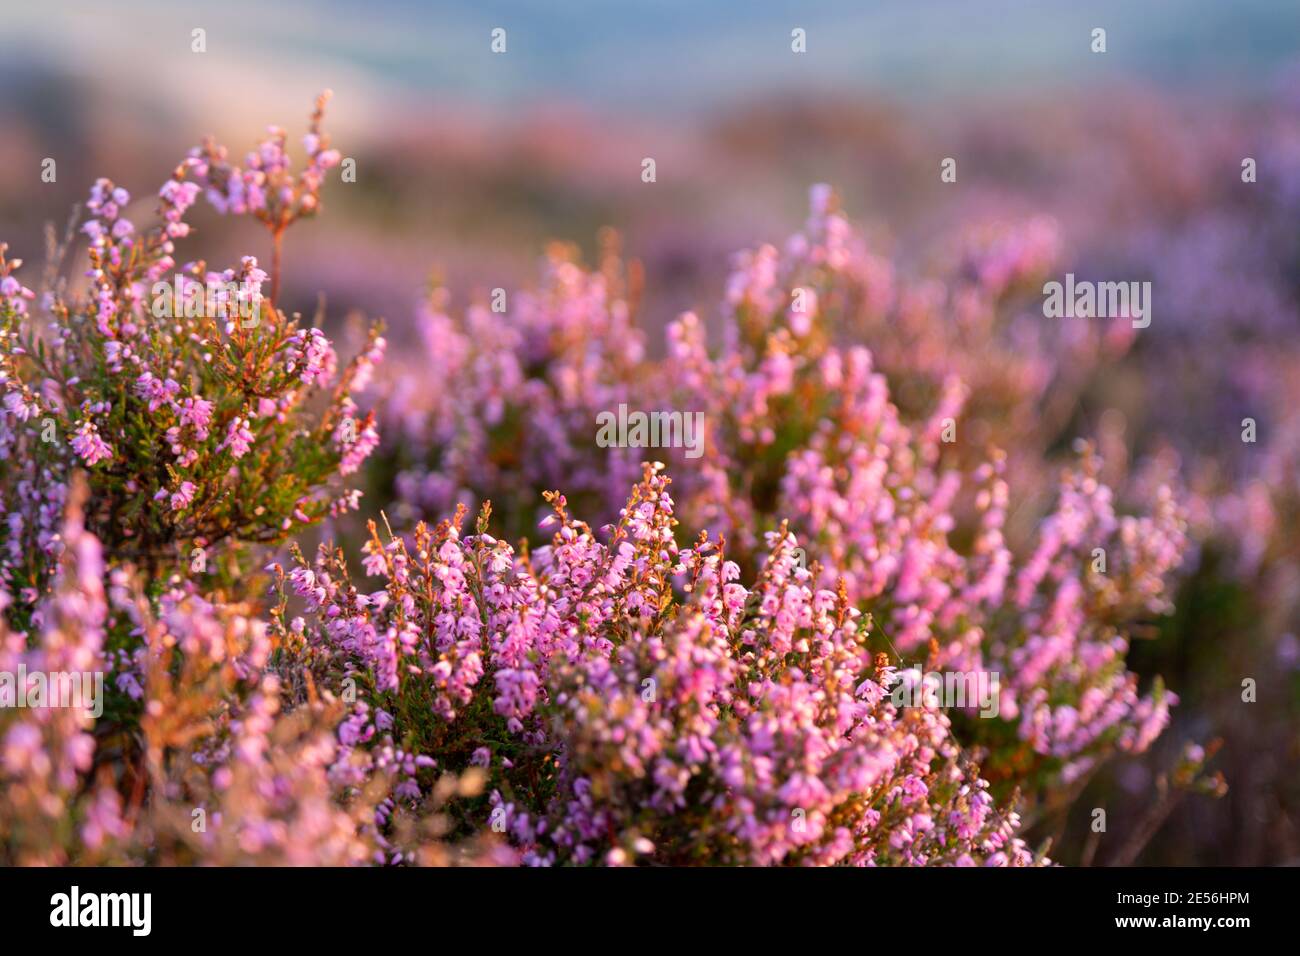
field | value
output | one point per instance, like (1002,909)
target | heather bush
(203,416)
(514,412)
(909,513)
(231,762)
(618,722)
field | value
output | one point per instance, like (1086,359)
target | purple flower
(238,438)
(87,443)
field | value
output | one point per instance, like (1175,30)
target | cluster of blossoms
(228,765)
(495,427)
(202,414)
(979,321)
(617,721)
(908,511)
(267,187)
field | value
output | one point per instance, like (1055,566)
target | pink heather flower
(87,443)
(17,405)
(104,819)
(156,391)
(198,413)
(15,294)
(183,496)
(21,747)
(317,356)
(238,438)
(364,366)
(177,197)
(356,451)
(373,563)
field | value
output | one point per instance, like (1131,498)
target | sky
(660,57)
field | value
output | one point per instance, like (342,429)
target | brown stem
(276,236)
(1090,848)
(1154,819)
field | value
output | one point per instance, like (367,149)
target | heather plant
(628,701)
(518,394)
(805,431)
(530,377)
(231,762)
(910,516)
(975,315)
(203,416)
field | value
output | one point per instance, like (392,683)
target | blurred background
(469,162)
